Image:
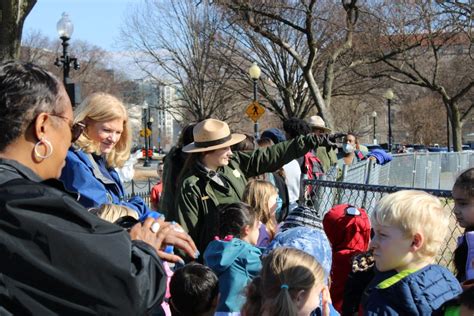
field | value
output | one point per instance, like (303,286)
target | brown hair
(285,272)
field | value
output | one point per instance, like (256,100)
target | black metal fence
(140,188)
(323,195)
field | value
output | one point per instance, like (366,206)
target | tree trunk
(12,17)
(323,109)
(456,128)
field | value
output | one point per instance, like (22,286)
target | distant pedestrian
(157,189)
(351,151)
(294,127)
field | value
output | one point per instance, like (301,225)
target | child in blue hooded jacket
(233,255)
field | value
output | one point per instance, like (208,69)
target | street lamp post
(146,119)
(254,72)
(374,117)
(65,29)
(389,95)
(150,127)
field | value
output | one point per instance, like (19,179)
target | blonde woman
(103,146)
(290,284)
(262,196)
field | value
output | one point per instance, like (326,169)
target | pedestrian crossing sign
(145,132)
(255,111)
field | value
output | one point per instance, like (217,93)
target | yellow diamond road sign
(145,132)
(255,111)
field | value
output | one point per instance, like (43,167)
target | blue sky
(95,21)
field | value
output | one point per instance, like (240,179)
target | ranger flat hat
(212,134)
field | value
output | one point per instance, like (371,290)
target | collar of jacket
(200,171)
(396,278)
(94,167)
(203,172)
(20,169)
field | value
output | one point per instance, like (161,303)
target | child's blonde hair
(112,212)
(285,272)
(256,194)
(103,107)
(414,211)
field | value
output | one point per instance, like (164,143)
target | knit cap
(302,216)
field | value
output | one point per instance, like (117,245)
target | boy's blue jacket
(420,293)
(81,175)
(235,263)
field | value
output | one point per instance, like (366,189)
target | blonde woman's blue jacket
(82,175)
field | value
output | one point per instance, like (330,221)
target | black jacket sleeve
(57,258)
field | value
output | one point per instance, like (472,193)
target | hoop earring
(49,148)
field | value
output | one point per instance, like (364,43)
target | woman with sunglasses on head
(104,145)
(57,258)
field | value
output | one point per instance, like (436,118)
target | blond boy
(409,228)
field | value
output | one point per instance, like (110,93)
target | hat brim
(234,139)
(326,129)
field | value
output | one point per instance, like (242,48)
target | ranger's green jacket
(199,196)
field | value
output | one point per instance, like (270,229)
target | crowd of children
(309,267)
(265,261)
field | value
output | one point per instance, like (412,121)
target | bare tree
(94,74)
(36,48)
(424,45)
(319,25)
(12,16)
(282,83)
(176,42)
(425,129)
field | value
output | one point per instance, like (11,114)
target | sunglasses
(76,129)
(126,222)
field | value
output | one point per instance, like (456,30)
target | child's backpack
(312,166)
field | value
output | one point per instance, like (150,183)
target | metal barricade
(416,170)
(326,194)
